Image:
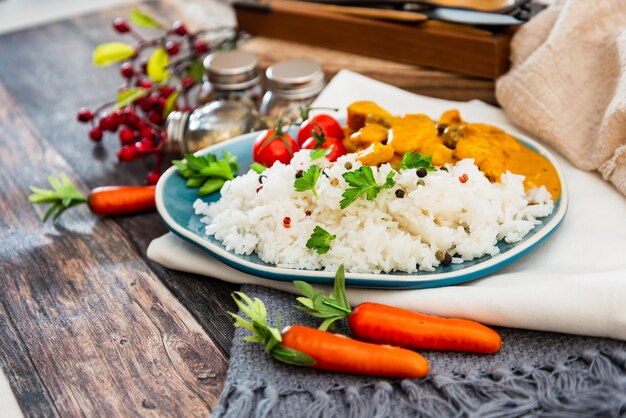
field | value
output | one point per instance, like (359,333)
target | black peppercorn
(298,174)
(421,172)
(399,193)
(261,177)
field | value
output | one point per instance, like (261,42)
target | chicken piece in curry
(377,137)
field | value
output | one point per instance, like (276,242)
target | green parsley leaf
(416,160)
(196,70)
(259,168)
(319,153)
(308,180)
(207,172)
(362,182)
(320,240)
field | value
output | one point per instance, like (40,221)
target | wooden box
(466,51)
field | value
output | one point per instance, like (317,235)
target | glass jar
(291,85)
(188,132)
(234,91)
(232,75)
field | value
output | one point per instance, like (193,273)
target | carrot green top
(331,308)
(270,337)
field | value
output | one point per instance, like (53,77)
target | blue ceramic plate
(174,203)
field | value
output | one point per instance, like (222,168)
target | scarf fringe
(590,385)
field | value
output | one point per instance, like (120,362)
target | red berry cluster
(139,124)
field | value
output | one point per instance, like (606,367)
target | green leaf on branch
(112,52)
(128,97)
(170,103)
(141,18)
(157,65)
(196,70)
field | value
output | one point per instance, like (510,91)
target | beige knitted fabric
(567,83)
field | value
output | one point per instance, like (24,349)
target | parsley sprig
(416,160)
(207,172)
(361,181)
(320,240)
(318,153)
(308,180)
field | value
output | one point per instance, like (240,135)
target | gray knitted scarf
(535,374)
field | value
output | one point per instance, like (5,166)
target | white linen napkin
(575,282)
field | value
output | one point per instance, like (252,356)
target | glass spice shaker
(232,75)
(235,87)
(291,85)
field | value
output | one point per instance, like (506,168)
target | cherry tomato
(337,147)
(328,125)
(267,151)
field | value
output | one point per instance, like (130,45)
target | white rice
(386,234)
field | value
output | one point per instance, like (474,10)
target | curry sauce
(447,141)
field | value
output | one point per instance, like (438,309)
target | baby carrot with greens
(103,201)
(389,325)
(305,346)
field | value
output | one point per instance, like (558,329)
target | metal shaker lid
(175,126)
(295,79)
(232,70)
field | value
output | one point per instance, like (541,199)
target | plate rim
(385,280)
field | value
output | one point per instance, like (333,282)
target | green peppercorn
(421,183)
(421,172)
(348,165)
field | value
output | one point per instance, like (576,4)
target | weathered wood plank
(102,333)
(50,84)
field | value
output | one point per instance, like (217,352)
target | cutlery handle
(369,13)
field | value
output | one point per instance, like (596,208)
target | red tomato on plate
(274,145)
(326,123)
(336,151)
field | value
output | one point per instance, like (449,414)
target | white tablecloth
(575,282)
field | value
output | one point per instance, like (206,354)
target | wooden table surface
(88,325)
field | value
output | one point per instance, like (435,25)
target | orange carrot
(121,200)
(104,201)
(305,346)
(388,325)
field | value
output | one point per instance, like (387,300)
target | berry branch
(155,83)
